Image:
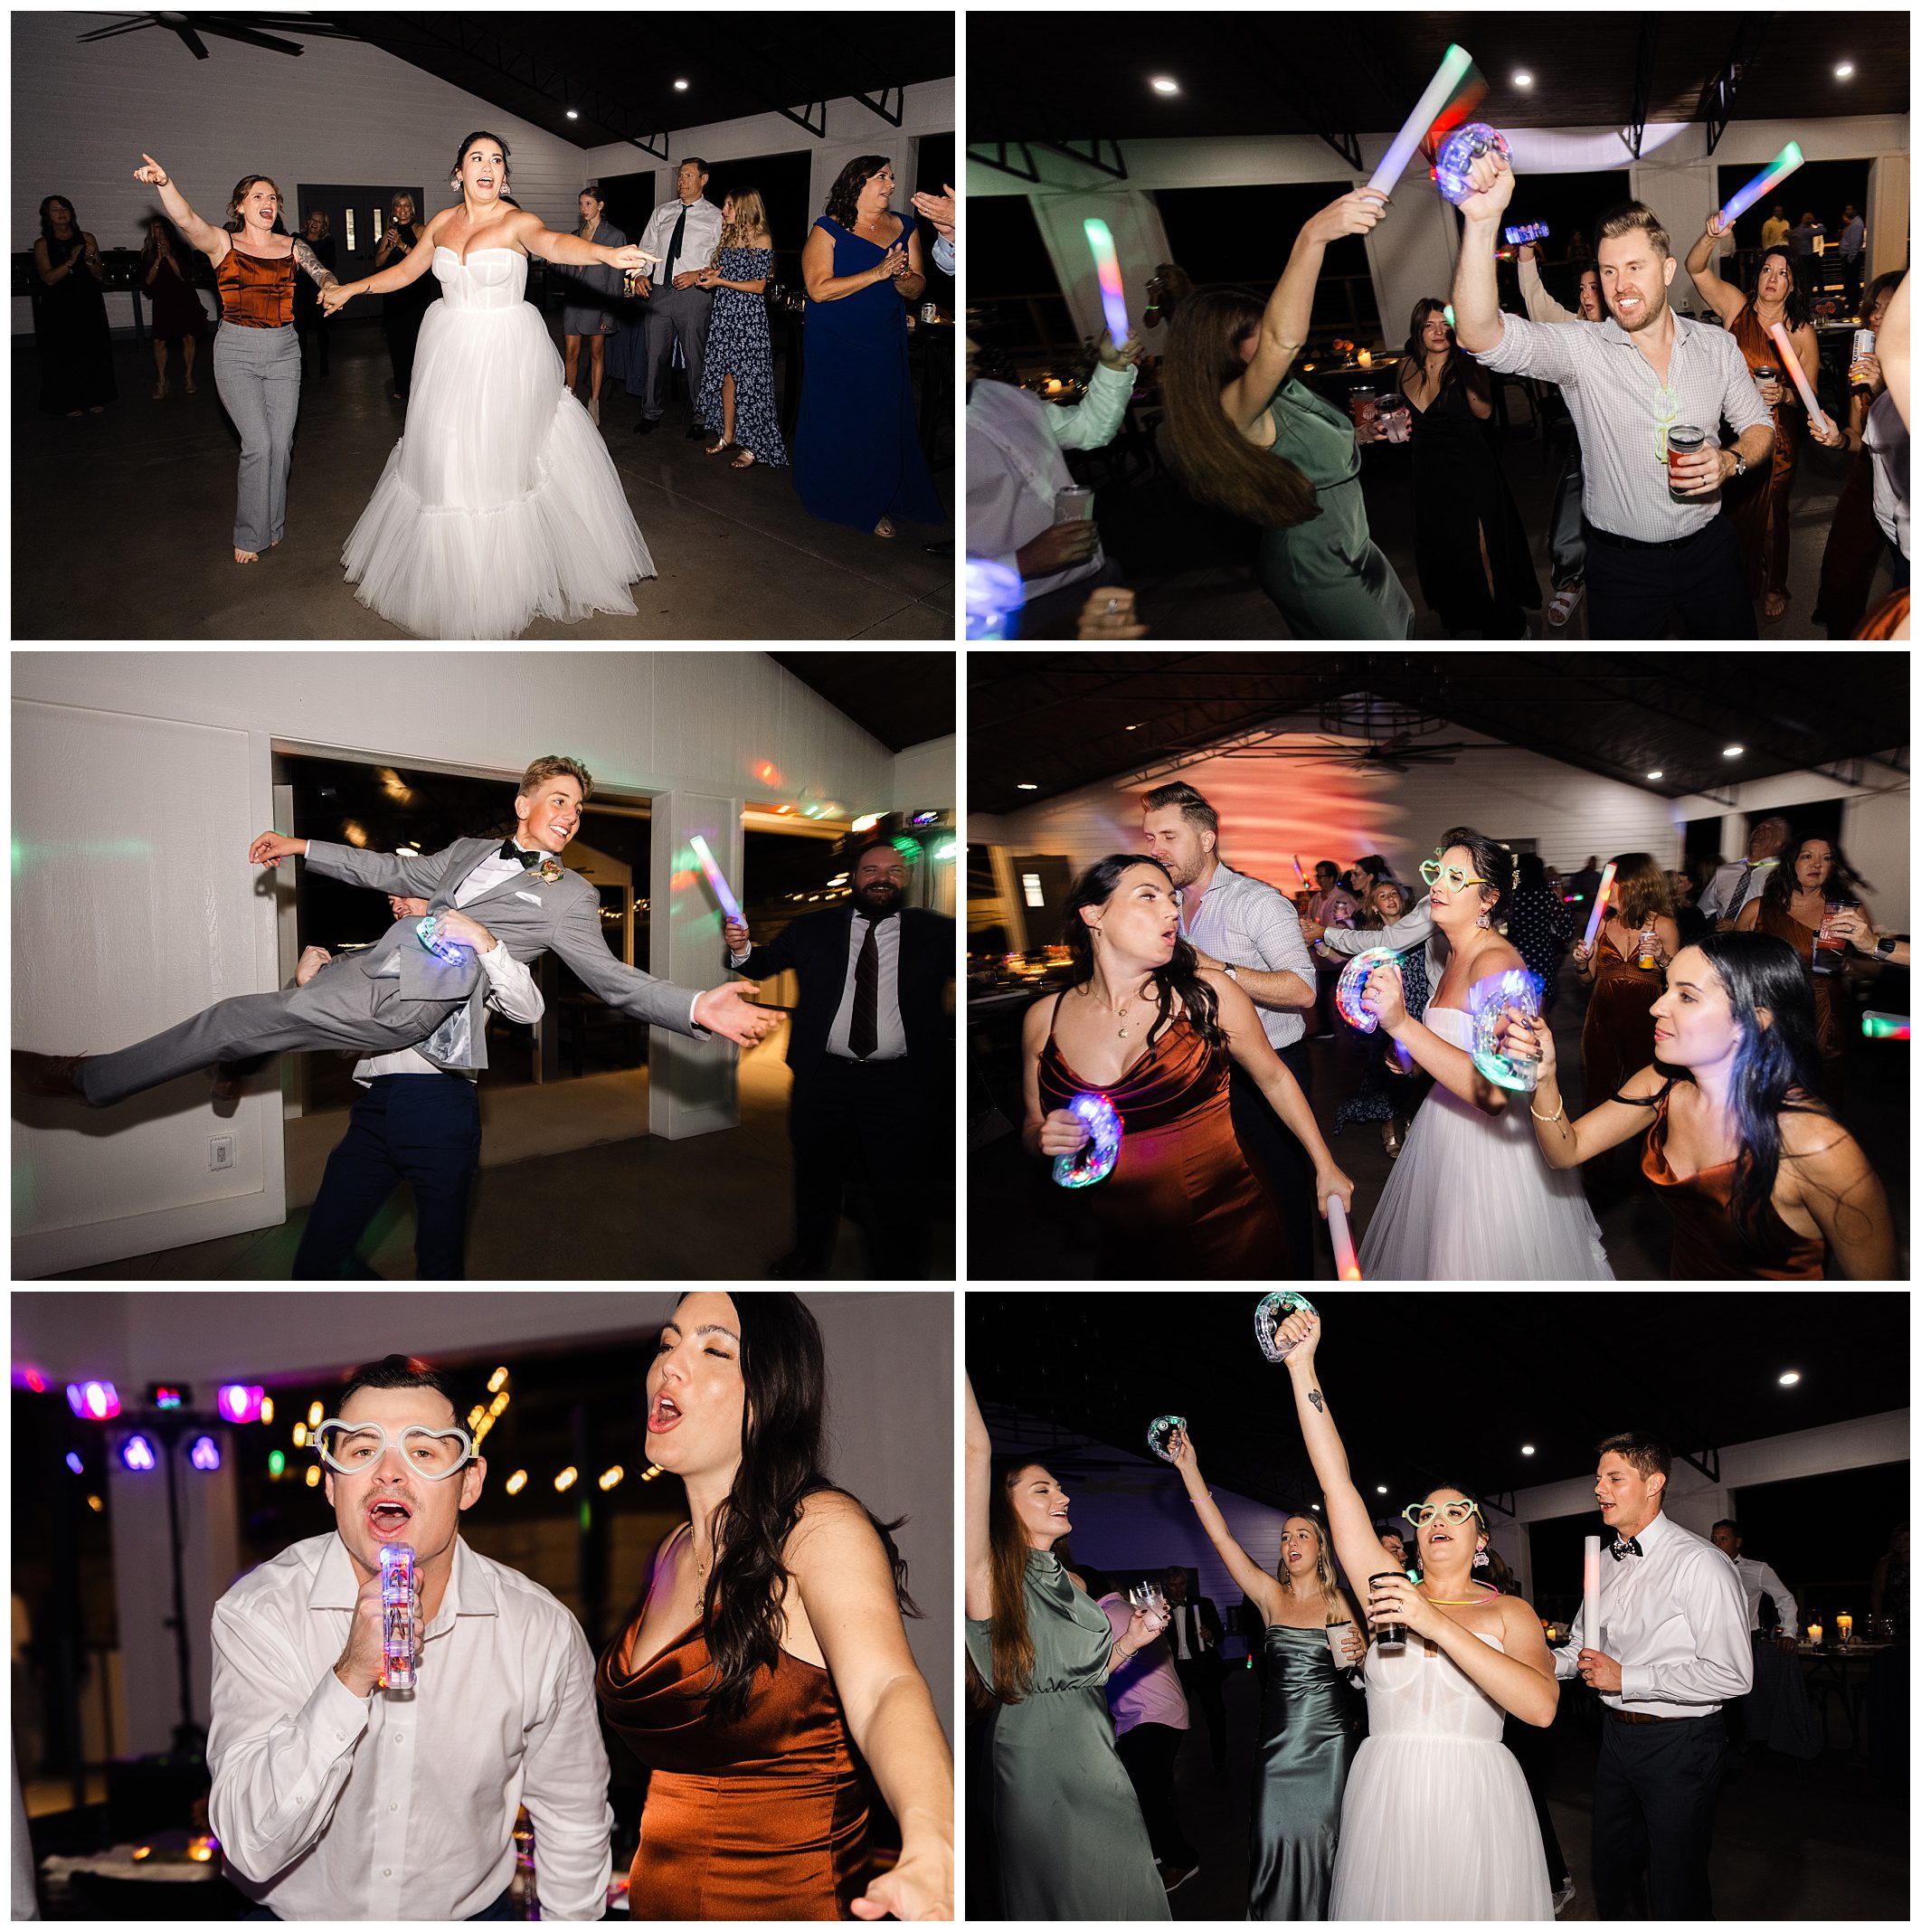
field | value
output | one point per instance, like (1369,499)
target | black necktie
(672,253)
(1621,1548)
(508,850)
(864,1032)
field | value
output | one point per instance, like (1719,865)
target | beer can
(1863,344)
(930,312)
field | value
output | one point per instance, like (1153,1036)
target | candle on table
(1814,1635)
(1844,1623)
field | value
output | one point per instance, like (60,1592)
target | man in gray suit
(398,993)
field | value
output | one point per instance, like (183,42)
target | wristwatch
(1740,464)
(1885,948)
(1232,974)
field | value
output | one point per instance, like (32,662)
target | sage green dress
(1069,1838)
(1328,576)
(1312,1723)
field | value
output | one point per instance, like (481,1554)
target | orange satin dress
(772,1815)
(1181,1199)
(1708,1245)
(1617,1038)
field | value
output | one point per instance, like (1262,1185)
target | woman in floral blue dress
(736,387)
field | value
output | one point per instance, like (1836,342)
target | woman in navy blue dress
(736,384)
(856,451)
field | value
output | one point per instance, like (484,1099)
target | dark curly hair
(1843,881)
(46,225)
(848,184)
(1179,978)
(784,1368)
(1795,310)
(481,134)
(1493,862)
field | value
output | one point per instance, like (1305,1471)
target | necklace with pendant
(1121,1011)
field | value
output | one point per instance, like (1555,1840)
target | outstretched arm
(1726,302)
(1564,1142)
(210,241)
(977,1449)
(1355,1546)
(1255,1584)
(311,264)
(417,875)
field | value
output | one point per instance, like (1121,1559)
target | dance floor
(123,525)
(1013,1232)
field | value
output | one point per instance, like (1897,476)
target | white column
(690,1083)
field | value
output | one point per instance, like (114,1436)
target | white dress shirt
(943,254)
(329,1805)
(699,243)
(890,1035)
(1734,885)
(1675,1619)
(1758,1578)
(1245,922)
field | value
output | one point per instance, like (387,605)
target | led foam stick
(1107,266)
(1273,1309)
(1771,176)
(1447,314)
(1885,1026)
(1159,1431)
(1791,364)
(1344,1264)
(396,1602)
(1299,874)
(1095,1161)
(1590,1593)
(729,904)
(1353,983)
(1601,892)
(1456,64)
(1488,1000)
(442,949)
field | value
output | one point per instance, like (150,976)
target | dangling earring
(1482,921)
(1481,1559)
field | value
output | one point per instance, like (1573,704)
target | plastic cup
(1389,1635)
(1337,1639)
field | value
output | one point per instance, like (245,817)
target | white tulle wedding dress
(499,503)
(1436,1822)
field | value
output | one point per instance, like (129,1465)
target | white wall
(1271,808)
(134,906)
(925,776)
(1412,253)
(891,1418)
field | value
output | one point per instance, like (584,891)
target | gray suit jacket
(525,914)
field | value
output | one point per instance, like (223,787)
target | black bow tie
(508,850)
(1623,1546)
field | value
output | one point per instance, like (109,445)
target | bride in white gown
(1471,1197)
(500,504)
(1435,1821)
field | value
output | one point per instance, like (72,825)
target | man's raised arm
(1477,298)
(416,877)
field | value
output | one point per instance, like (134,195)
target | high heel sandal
(726,442)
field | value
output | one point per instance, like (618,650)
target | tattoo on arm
(1314,1397)
(323,275)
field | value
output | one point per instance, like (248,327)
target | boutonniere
(549,871)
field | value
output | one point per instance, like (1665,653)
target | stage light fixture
(1381,1488)
(1845,72)
(1164,84)
(137,1454)
(1026,787)
(93,1401)
(1732,751)
(240,1402)
(1527,1448)
(680,87)
(1524,80)
(74,1463)
(204,1453)
(572,115)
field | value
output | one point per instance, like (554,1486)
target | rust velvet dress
(1758,502)
(1181,1199)
(772,1815)
(1708,1245)
(1781,923)
(1617,1039)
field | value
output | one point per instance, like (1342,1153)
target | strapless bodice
(1411,1694)
(491,279)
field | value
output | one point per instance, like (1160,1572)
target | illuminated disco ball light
(1461,150)
(1353,983)
(1095,1161)
(1159,1430)
(1273,1309)
(1488,1000)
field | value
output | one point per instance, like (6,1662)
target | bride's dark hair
(784,1369)
(481,134)
(1179,978)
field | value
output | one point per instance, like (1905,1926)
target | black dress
(71,332)
(403,309)
(310,322)
(1461,494)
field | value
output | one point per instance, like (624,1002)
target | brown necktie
(863,1033)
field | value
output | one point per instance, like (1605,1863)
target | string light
(313,1475)
(498,1402)
(300,1435)
(516,1483)
(610,1477)
(495,1380)
(314,1416)
(567,1478)
(266,1408)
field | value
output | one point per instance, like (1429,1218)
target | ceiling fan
(1391,754)
(190,26)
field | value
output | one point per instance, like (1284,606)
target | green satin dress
(1312,1722)
(1069,1838)
(1327,575)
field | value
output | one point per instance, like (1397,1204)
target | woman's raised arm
(1255,1584)
(1349,1527)
(978,1462)
(213,243)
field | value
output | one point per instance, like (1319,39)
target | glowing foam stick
(1771,176)
(396,1601)
(427,931)
(1447,314)
(1095,1161)
(1107,266)
(1590,1593)
(1791,364)
(1299,874)
(1159,1431)
(1601,892)
(1885,1026)
(729,904)
(1353,983)
(1345,1265)
(1452,70)
(1272,1310)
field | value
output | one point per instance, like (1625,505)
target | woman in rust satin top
(765,1680)
(1790,907)
(1145,1027)
(1762,1181)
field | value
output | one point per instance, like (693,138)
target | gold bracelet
(1547,1119)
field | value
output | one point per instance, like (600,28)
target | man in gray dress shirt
(1652,560)
(1672,1650)
(1248,930)
(684,234)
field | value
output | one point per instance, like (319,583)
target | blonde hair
(538,773)
(1323,1567)
(234,220)
(326,227)
(749,219)
(1625,219)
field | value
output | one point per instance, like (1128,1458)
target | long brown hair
(236,222)
(1323,1569)
(749,219)
(1641,891)
(1011,1642)
(1214,460)
(1414,356)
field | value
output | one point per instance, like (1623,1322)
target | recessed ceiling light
(1026,787)
(1313,1506)
(1527,1448)
(1162,84)
(572,115)
(1656,774)
(1791,1378)
(680,87)
(1524,79)
(1381,1488)
(1732,751)
(1844,71)
(1137,727)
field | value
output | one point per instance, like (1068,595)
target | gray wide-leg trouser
(258,374)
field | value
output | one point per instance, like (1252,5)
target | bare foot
(745,460)
(191,390)
(885,527)
(246,556)
(1776,605)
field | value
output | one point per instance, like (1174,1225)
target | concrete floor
(738,556)
(1016,1231)
(623,1204)
(1215,597)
